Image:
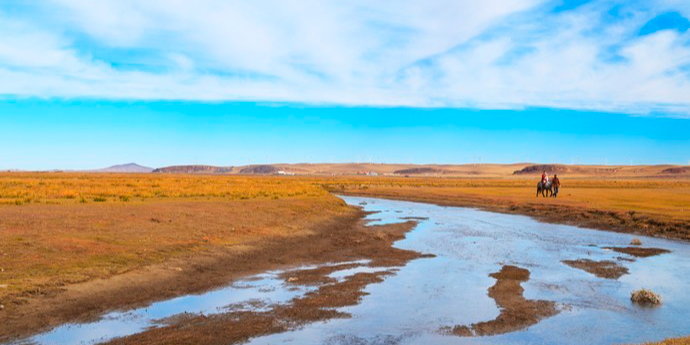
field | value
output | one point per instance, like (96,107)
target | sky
(86,84)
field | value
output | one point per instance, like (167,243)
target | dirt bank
(602,269)
(516,312)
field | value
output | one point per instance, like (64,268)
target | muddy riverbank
(342,238)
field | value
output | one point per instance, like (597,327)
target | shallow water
(254,293)
(450,289)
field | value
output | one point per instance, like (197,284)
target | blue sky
(91,134)
(84,84)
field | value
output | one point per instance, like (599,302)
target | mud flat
(516,312)
(639,251)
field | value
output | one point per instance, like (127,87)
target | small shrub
(124,198)
(636,242)
(100,199)
(645,297)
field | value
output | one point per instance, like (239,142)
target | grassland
(61,229)
(65,188)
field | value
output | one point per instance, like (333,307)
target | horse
(548,190)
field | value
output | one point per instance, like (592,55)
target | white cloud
(490,54)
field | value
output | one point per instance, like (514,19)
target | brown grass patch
(601,269)
(639,252)
(645,297)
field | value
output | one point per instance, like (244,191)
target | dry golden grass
(27,188)
(58,229)
(674,341)
(645,297)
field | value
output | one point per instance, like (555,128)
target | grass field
(57,229)
(64,188)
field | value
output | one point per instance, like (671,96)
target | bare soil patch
(602,269)
(516,311)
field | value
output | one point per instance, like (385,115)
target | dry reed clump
(645,297)
(636,242)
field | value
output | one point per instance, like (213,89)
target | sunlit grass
(27,188)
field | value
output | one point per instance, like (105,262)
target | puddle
(450,289)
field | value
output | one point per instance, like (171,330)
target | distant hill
(675,171)
(126,168)
(194,169)
(665,171)
(259,169)
(517,170)
(549,168)
(418,171)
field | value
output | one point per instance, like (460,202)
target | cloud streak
(489,55)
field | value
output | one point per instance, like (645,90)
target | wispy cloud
(489,54)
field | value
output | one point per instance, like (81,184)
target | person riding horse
(544,186)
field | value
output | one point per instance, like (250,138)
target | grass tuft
(645,297)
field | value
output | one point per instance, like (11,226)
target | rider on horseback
(544,178)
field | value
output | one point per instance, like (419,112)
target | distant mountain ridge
(259,170)
(126,168)
(193,169)
(440,170)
